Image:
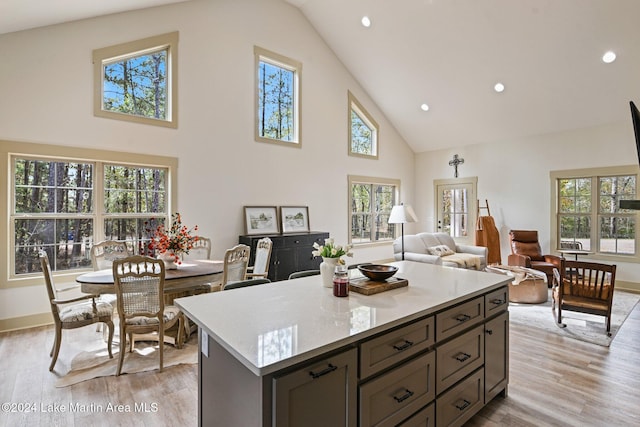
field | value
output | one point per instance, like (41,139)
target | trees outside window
(137,85)
(63,206)
(363,130)
(371,201)
(137,82)
(277,98)
(588,210)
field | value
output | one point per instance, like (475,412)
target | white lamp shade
(402,214)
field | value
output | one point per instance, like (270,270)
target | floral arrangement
(176,241)
(331,250)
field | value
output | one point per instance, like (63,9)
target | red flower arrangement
(176,241)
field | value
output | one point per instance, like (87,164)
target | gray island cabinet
(291,354)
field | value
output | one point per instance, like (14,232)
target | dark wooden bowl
(378,272)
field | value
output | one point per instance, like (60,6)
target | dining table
(190,278)
(575,252)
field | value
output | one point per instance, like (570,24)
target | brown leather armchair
(526,252)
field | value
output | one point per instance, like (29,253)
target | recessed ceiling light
(366,22)
(609,57)
(499,87)
(424,107)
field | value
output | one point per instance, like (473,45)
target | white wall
(46,86)
(514,177)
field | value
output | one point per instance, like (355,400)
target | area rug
(583,327)
(96,363)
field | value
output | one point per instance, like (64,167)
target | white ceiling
(16,15)
(450,53)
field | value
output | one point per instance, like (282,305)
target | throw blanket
(519,274)
(464,260)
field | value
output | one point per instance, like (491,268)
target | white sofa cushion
(416,248)
(440,250)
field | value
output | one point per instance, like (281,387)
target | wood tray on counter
(370,287)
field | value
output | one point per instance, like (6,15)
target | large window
(363,130)
(136,81)
(588,214)
(277,98)
(371,201)
(63,206)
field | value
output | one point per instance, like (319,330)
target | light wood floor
(554,381)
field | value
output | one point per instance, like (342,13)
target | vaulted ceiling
(449,54)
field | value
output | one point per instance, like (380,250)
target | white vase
(327,268)
(169,260)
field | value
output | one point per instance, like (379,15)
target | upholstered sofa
(428,247)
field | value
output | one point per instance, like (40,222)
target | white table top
(272,326)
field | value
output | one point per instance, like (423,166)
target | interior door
(456,208)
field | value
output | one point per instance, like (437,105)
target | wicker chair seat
(81,312)
(170,313)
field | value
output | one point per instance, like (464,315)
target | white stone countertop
(272,326)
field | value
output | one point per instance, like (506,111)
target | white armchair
(428,247)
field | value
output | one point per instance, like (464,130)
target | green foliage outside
(137,86)
(276,102)
(371,205)
(54,210)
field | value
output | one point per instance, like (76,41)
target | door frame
(472,184)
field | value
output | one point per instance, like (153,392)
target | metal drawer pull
(464,405)
(404,397)
(404,346)
(463,357)
(497,301)
(463,318)
(325,371)
(489,331)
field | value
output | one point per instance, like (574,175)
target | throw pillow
(440,250)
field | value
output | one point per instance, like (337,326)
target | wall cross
(455,162)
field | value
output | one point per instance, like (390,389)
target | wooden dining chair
(235,264)
(102,256)
(585,287)
(104,253)
(201,250)
(260,268)
(139,283)
(73,312)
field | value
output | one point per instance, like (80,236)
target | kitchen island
(290,353)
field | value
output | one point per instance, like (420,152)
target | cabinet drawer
(426,417)
(460,403)
(459,318)
(393,347)
(394,396)
(303,240)
(496,302)
(459,357)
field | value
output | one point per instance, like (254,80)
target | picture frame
(261,220)
(294,219)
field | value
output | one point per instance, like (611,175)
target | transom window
(371,201)
(277,98)
(63,206)
(589,216)
(363,130)
(136,81)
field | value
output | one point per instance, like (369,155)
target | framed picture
(261,220)
(295,219)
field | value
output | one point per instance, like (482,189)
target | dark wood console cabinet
(290,252)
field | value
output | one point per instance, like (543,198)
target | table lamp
(401,214)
